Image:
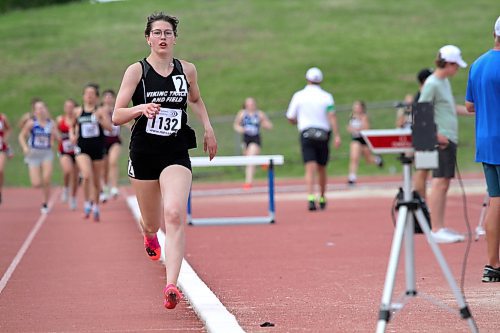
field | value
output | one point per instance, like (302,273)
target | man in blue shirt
(483,98)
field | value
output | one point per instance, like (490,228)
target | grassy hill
(367,49)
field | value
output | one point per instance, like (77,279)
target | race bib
(90,130)
(114,132)
(166,123)
(67,146)
(251,130)
(41,142)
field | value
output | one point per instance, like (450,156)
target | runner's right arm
(123,114)
(23,136)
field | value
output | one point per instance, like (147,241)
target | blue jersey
(483,89)
(251,124)
(40,135)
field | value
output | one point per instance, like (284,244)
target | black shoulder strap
(178,65)
(145,67)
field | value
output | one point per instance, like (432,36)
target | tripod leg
(411,287)
(464,309)
(392,267)
(480,229)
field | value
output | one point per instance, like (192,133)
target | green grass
(367,50)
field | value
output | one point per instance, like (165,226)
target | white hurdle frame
(269,160)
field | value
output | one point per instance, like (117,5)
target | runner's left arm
(266,123)
(198,106)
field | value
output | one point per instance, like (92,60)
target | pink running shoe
(153,248)
(172,296)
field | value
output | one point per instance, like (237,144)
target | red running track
(310,272)
(81,276)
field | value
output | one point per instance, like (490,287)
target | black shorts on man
(447,161)
(315,150)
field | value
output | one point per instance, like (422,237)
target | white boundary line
(27,242)
(210,310)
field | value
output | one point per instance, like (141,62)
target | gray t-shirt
(438,92)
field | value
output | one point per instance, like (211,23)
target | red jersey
(3,128)
(65,145)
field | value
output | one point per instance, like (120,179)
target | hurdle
(269,160)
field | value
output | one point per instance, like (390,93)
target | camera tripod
(405,230)
(480,227)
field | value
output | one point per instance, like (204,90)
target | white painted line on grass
(27,242)
(210,310)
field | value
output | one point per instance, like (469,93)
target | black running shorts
(150,166)
(360,139)
(109,141)
(95,151)
(248,139)
(314,150)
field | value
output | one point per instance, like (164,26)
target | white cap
(497,27)
(451,53)
(314,75)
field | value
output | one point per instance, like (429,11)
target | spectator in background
(437,90)
(421,175)
(483,98)
(36,140)
(359,121)
(248,122)
(421,77)
(5,131)
(404,116)
(405,110)
(312,109)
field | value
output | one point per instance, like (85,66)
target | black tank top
(168,132)
(90,130)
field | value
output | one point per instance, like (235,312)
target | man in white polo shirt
(313,110)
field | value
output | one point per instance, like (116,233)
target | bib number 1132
(166,123)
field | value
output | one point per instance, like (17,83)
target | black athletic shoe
(312,205)
(322,203)
(491,274)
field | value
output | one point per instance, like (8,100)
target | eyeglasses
(157,33)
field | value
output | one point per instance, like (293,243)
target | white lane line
(210,310)
(19,256)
